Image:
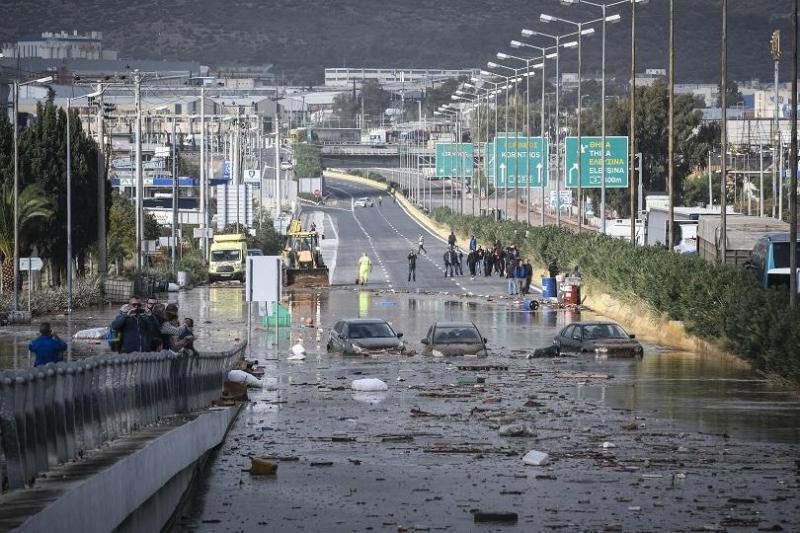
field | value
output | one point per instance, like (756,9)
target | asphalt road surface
(387,234)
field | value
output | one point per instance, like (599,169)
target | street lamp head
(516,44)
(571,44)
(613,19)
(46,79)
(570,2)
(486,72)
(528,33)
(551,55)
(468,85)
(639,1)
(587,31)
(455,97)
(459,92)
(546,18)
(501,55)
(492,64)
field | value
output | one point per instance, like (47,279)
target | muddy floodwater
(674,441)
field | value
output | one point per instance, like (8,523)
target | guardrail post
(36,423)
(12,434)
(48,399)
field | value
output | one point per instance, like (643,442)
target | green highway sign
(616,155)
(520,162)
(454,160)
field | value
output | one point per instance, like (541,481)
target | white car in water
(363,202)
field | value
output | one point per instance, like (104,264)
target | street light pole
(671,130)
(632,126)
(793,173)
(16,196)
(723,96)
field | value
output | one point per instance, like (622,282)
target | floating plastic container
(549,288)
(571,295)
(183,278)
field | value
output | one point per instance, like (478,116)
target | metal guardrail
(55,413)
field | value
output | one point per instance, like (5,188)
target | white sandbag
(91,334)
(240,376)
(173,287)
(369,385)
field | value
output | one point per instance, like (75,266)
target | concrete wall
(152,476)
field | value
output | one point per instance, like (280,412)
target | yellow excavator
(302,258)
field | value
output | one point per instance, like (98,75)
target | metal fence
(55,413)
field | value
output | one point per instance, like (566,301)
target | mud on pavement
(442,448)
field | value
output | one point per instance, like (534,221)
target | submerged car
(454,338)
(602,338)
(364,202)
(365,336)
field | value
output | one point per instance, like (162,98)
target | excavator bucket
(307,278)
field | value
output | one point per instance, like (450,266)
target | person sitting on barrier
(136,329)
(48,348)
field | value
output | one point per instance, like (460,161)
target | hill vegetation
(302,37)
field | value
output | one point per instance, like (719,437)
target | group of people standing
(151,328)
(503,261)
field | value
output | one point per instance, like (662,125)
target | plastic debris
(296,357)
(262,467)
(486,516)
(536,458)
(240,376)
(369,385)
(91,334)
(607,444)
(298,348)
(437,353)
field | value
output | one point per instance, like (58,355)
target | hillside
(301,37)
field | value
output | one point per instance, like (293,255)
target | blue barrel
(549,288)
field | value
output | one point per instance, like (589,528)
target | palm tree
(33,206)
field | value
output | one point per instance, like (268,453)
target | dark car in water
(454,338)
(365,336)
(601,338)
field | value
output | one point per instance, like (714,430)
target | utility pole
(671,139)
(558,149)
(174,197)
(137,95)
(102,257)
(579,157)
(203,176)
(278,160)
(724,136)
(69,210)
(777,178)
(632,128)
(793,173)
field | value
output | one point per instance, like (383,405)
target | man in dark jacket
(451,239)
(526,289)
(412,266)
(136,328)
(472,260)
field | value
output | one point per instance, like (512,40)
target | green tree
(43,150)
(33,206)
(307,160)
(121,237)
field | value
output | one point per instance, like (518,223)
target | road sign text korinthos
(454,160)
(616,154)
(520,161)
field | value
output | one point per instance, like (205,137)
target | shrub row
(721,304)
(86,292)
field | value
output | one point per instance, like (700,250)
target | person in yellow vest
(364,268)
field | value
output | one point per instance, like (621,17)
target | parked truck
(228,257)
(742,233)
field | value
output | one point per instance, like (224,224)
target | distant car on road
(364,202)
(602,338)
(365,336)
(287,165)
(454,338)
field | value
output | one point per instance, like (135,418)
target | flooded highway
(677,439)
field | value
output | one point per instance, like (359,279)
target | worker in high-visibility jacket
(364,268)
